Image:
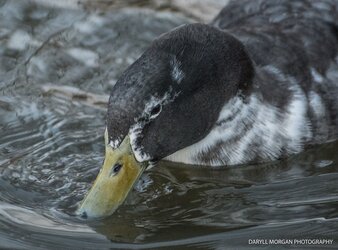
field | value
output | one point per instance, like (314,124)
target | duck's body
(293,101)
(257,84)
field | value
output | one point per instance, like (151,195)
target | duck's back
(298,40)
(259,12)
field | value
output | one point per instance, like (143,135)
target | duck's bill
(118,175)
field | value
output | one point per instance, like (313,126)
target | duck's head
(168,99)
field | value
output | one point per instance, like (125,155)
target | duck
(258,83)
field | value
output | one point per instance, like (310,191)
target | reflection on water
(51,148)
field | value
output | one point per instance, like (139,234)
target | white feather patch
(177,74)
(115,143)
(316,76)
(296,124)
(134,133)
(317,105)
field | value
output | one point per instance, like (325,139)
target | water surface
(51,148)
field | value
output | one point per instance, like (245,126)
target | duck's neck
(260,126)
(227,142)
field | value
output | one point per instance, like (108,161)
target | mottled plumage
(257,84)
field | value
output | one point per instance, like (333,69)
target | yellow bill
(118,175)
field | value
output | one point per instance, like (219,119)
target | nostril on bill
(116,169)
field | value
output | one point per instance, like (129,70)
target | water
(51,148)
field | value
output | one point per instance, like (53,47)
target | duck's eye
(155,111)
(116,169)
